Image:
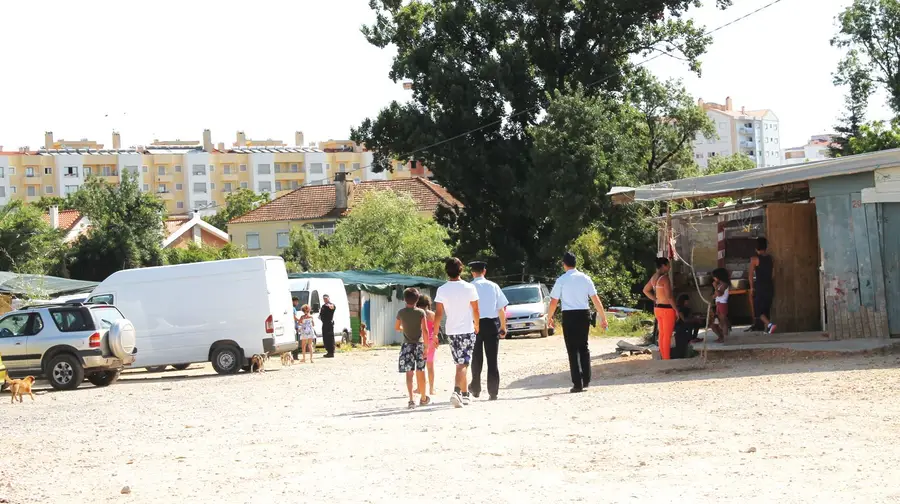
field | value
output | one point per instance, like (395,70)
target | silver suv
(67,343)
(527,310)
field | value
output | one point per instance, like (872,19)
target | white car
(527,310)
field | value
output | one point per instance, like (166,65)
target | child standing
(425,304)
(721,284)
(412,322)
(364,335)
(307,334)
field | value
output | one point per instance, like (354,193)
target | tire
(104,378)
(227,359)
(65,372)
(552,332)
(181,367)
(156,369)
(121,338)
(545,333)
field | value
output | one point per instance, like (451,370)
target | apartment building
(754,133)
(815,150)
(188,175)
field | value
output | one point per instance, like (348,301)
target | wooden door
(793,244)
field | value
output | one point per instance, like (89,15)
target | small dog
(258,362)
(287,359)
(20,387)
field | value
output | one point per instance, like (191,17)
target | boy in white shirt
(458,299)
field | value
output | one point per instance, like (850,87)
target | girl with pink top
(425,304)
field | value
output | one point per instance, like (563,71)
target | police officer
(575,289)
(492,307)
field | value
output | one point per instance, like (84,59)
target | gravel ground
(338,431)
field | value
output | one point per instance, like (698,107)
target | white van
(223,312)
(310,291)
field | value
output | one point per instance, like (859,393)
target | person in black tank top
(762,276)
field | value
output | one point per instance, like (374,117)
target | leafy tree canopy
(304,252)
(727,164)
(45,202)
(27,243)
(195,253)
(237,203)
(875,136)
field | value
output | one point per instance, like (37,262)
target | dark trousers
(328,337)
(487,343)
(576,326)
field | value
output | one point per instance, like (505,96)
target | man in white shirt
(575,289)
(492,308)
(458,299)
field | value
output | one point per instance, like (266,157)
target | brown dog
(20,387)
(287,359)
(258,363)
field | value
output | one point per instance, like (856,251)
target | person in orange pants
(659,290)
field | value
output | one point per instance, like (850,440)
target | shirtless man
(659,290)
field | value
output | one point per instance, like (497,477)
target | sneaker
(411,405)
(465,399)
(771,328)
(456,400)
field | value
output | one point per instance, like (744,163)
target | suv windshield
(523,295)
(107,316)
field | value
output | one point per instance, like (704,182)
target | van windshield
(303,296)
(523,295)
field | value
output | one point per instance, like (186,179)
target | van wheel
(104,378)
(65,372)
(226,359)
(181,367)
(156,369)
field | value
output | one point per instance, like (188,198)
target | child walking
(413,323)
(307,334)
(424,303)
(721,284)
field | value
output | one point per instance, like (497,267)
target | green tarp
(374,281)
(41,286)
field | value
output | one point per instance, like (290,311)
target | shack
(375,297)
(833,228)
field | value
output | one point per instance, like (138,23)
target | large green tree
(126,228)
(27,243)
(856,78)
(237,203)
(195,253)
(304,253)
(386,231)
(727,164)
(483,73)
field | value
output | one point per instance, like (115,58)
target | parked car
(310,291)
(2,375)
(527,310)
(222,312)
(68,343)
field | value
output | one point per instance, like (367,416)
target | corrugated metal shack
(834,231)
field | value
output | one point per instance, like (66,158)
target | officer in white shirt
(575,288)
(492,305)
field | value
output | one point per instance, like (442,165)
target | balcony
(230,176)
(297,175)
(165,195)
(32,181)
(167,177)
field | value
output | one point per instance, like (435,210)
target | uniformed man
(575,289)
(492,305)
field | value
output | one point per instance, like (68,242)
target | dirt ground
(338,431)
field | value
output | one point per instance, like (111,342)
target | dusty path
(338,431)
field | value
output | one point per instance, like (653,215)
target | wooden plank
(841,264)
(875,252)
(863,256)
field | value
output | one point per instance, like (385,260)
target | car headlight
(536,315)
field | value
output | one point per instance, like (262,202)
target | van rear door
(280,307)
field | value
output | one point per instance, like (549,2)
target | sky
(169,69)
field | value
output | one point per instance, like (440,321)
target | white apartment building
(815,150)
(754,133)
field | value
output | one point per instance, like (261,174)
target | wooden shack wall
(853,273)
(793,244)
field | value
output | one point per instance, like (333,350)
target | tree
(727,164)
(483,74)
(304,253)
(45,202)
(613,276)
(875,136)
(195,253)
(126,228)
(870,31)
(237,203)
(27,243)
(855,76)
(386,231)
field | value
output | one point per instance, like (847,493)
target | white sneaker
(466,400)
(456,400)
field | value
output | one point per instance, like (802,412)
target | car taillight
(270,325)
(94,340)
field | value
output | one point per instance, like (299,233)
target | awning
(374,281)
(41,286)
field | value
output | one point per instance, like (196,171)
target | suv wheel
(104,378)
(226,359)
(65,372)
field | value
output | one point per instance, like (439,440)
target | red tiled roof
(317,202)
(173,223)
(67,219)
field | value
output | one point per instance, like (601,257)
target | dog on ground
(287,359)
(20,387)
(258,363)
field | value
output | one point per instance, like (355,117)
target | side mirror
(315,308)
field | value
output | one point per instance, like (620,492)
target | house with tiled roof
(71,222)
(266,229)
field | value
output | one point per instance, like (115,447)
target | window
(243,167)
(227,187)
(265,187)
(200,204)
(199,169)
(327,167)
(243,185)
(2,192)
(277,167)
(87,171)
(212,187)
(252,241)
(71,189)
(144,169)
(1,171)
(212,168)
(177,168)
(200,187)
(343,167)
(226,169)
(283,238)
(323,228)
(179,187)
(277,185)
(12,170)
(48,170)
(161,170)
(712,154)
(13,189)
(355,167)
(315,168)
(179,204)
(29,171)
(295,184)
(263,169)
(723,126)
(107,171)
(15,325)
(295,168)
(71,320)
(48,189)
(162,189)
(146,187)
(30,191)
